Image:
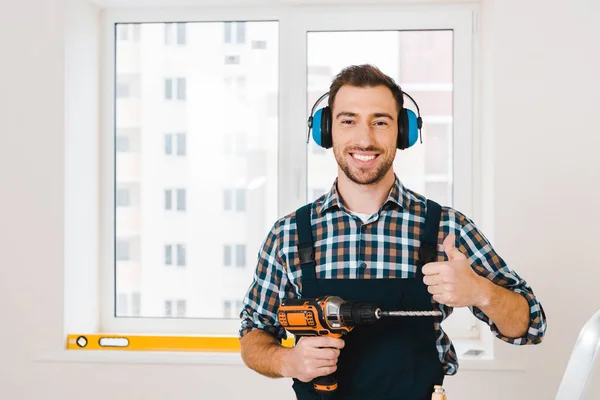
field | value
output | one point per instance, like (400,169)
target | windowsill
(204,355)
(209,358)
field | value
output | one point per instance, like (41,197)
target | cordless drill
(334,317)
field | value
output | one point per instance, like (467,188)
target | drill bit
(410,313)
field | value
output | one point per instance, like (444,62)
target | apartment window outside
(175,144)
(122,144)
(123,197)
(240,255)
(128,32)
(175,254)
(123,250)
(175,308)
(122,90)
(168,254)
(234,199)
(177,197)
(232,308)
(136,304)
(232,59)
(175,89)
(259,44)
(227,255)
(175,33)
(234,29)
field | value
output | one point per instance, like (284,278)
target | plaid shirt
(388,243)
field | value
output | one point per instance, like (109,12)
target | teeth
(363,158)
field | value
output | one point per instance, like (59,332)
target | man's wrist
(486,292)
(283,360)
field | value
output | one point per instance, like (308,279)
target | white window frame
(294,23)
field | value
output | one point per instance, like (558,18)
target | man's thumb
(451,251)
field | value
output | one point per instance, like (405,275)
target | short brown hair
(365,75)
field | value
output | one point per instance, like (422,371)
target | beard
(368,175)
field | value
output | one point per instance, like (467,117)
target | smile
(364,157)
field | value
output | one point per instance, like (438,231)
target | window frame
(294,24)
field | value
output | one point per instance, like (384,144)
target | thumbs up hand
(453,282)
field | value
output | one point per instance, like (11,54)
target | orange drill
(332,316)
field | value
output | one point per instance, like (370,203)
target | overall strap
(429,237)
(305,246)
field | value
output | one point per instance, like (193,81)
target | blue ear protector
(409,125)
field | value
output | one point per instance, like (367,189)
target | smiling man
(369,232)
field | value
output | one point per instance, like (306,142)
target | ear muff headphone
(409,125)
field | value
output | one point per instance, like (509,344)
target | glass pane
(181,37)
(168,254)
(195,72)
(168,89)
(181,89)
(421,63)
(181,199)
(240,255)
(136,304)
(181,308)
(227,255)
(240,200)
(181,257)
(241,32)
(227,32)
(168,144)
(123,197)
(181,144)
(168,200)
(227,199)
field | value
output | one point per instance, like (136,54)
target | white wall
(542,83)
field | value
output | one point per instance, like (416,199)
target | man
(368,233)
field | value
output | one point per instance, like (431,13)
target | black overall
(393,358)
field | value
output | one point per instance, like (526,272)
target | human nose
(364,135)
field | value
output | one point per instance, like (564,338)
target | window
(122,90)
(175,254)
(175,144)
(122,304)
(240,199)
(235,144)
(175,308)
(128,32)
(175,33)
(232,308)
(169,254)
(234,199)
(181,199)
(122,144)
(240,255)
(181,257)
(227,255)
(136,304)
(175,89)
(123,197)
(123,250)
(232,60)
(232,143)
(259,44)
(235,30)
(177,196)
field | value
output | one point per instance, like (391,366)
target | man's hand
(454,283)
(313,356)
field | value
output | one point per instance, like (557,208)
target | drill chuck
(353,313)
